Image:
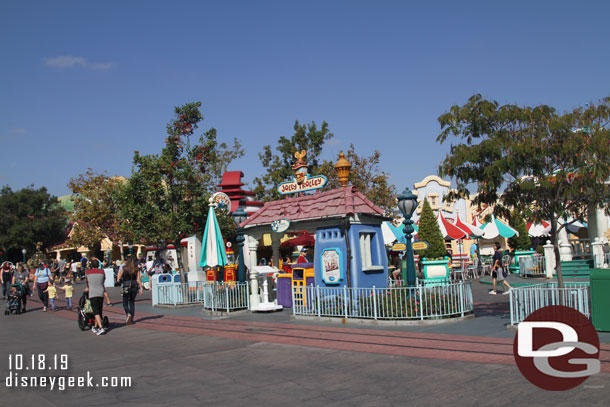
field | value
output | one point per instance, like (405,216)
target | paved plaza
(181,356)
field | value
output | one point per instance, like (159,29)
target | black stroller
(86,319)
(13,304)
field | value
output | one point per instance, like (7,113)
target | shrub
(521,242)
(431,233)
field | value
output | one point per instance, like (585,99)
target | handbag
(88,309)
(126,287)
(504,272)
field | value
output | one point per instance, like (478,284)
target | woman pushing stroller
(22,277)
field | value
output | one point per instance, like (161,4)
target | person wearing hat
(302,258)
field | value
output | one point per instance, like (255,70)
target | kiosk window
(367,257)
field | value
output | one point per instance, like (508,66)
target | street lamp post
(407,202)
(240,216)
(23,251)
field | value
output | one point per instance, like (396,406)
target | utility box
(600,300)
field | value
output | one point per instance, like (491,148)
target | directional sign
(399,247)
(420,245)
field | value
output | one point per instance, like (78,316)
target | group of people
(9,277)
(45,282)
(131,286)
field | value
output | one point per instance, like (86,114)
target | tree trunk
(184,286)
(121,251)
(179,259)
(555,238)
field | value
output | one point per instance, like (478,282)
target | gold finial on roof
(343,166)
(300,167)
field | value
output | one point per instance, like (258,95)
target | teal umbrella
(212,247)
(495,228)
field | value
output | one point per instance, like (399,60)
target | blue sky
(84,84)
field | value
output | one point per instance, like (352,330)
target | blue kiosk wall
(369,264)
(330,252)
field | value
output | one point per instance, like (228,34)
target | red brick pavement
(476,349)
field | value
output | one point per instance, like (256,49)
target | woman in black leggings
(22,276)
(130,287)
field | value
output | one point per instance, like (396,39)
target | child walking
(52,291)
(68,290)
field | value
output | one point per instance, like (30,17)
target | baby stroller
(13,305)
(86,319)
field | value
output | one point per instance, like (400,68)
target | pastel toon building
(349,248)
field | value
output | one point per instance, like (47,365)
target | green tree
(97,209)
(551,165)
(428,231)
(28,216)
(278,166)
(223,155)
(522,241)
(367,176)
(166,198)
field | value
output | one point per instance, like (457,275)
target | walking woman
(5,278)
(498,273)
(41,283)
(130,287)
(22,276)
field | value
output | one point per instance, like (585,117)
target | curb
(380,322)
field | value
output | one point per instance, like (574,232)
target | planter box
(436,269)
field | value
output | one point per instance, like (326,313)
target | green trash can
(600,299)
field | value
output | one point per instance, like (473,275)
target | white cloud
(69,61)
(19,131)
(14,133)
(334,142)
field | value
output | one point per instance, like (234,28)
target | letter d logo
(526,339)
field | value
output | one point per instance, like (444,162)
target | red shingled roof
(336,202)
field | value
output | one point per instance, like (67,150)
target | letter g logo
(557,348)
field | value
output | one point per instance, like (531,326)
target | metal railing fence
(532,266)
(227,297)
(602,260)
(216,296)
(177,293)
(395,303)
(526,300)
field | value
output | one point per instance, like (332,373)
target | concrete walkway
(176,356)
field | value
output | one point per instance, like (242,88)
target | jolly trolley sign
(301,181)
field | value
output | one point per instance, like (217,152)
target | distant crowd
(49,280)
